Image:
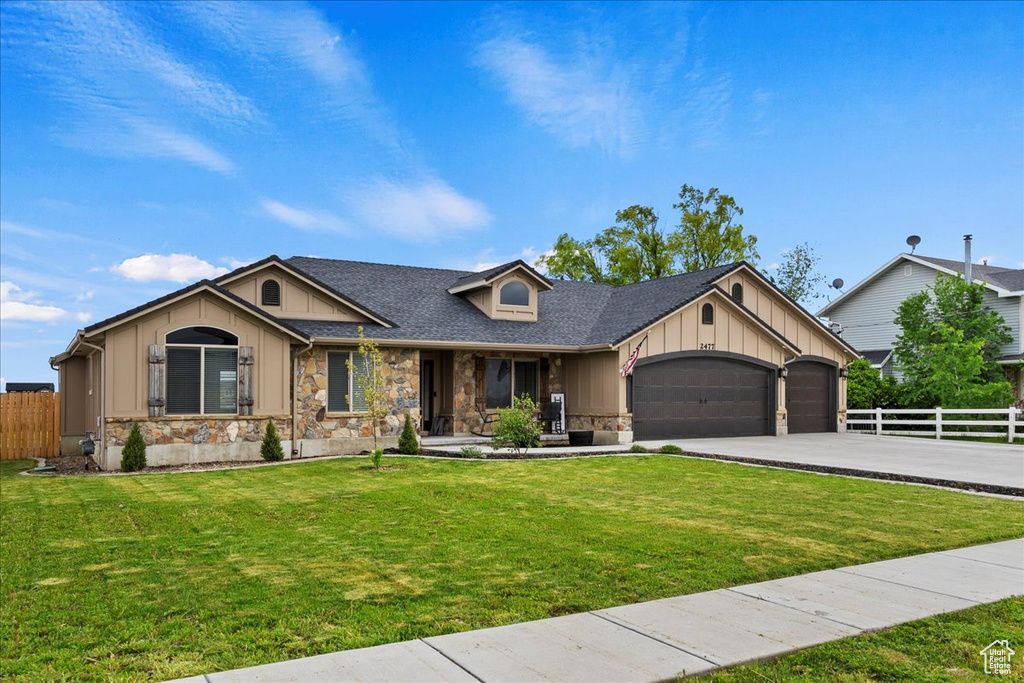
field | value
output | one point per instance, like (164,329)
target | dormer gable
(506,292)
(288,294)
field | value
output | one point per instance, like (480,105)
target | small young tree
(271,449)
(408,444)
(368,370)
(517,427)
(133,454)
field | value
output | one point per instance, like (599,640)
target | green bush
(670,449)
(407,442)
(637,448)
(271,449)
(517,427)
(133,455)
(472,452)
(376,455)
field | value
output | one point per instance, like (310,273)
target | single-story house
(29,387)
(865,315)
(204,368)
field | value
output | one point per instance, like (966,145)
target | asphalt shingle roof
(1006,278)
(570,314)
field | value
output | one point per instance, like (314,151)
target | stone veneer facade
(178,440)
(601,423)
(321,432)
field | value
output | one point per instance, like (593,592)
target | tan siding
(298,299)
(125,393)
(74,396)
(592,383)
(520,313)
(128,354)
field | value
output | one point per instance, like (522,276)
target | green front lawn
(157,576)
(942,648)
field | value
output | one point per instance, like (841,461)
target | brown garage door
(810,391)
(702,396)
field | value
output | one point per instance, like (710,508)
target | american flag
(627,369)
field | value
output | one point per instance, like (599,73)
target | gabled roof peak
(485,277)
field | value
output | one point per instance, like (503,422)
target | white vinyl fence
(935,421)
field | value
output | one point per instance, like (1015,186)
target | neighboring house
(865,315)
(203,368)
(29,387)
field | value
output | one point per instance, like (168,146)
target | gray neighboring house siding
(867,311)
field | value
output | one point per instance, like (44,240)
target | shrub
(376,455)
(517,427)
(407,442)
(637,448)
(670,449)
(271,449)
(472,452)
(133,455)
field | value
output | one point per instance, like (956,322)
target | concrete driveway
(988,464)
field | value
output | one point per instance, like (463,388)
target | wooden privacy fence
(948,423)
(29,426)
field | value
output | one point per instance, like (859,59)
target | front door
(427,393)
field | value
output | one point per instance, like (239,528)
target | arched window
(737,293)
(515,294)
(707,314)
(271,294)
(202,372)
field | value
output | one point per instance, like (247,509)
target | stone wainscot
(320,432)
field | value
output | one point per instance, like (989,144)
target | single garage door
(700,396)
(810,402)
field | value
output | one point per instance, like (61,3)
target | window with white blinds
(202,380)
(345,388)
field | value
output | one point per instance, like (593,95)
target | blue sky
(146,145)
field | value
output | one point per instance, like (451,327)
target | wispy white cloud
(129,94)
(132,136)
(170,268)
(18,304)
(575,100)
(418,211)
(301,218)
(296,36)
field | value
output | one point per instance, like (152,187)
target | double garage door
(713,396)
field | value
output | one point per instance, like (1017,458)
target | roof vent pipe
(967,258)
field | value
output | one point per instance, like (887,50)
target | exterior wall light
(783,372)
(844,373)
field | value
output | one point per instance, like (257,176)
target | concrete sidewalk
(664,639)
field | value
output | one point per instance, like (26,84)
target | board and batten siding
(868,316)
(592,383)
(126,372)
(299,301)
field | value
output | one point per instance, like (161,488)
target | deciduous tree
(796,275)
(709,233)
(948,347)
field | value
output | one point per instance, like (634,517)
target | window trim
(737,292)
(202,372)
(707,314)
(350,396)
(514,282)
(511,379)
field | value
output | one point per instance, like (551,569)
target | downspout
(296,374)
(101,431)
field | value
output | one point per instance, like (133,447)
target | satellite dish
(912,242)
(838,283)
